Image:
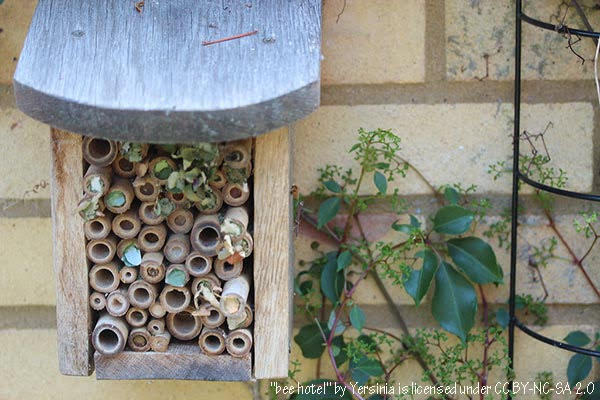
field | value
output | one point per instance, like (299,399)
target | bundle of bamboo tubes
(168,238)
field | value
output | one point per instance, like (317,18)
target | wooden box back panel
(272,278)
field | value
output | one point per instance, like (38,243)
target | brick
(15,17)
(486,27)
(373,41)
(25,154)
(448,143)
(26,249)
(29,370)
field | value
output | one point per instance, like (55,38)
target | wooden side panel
(70,264)
(273,260)
(181,361)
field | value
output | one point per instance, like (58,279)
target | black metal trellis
(519,176)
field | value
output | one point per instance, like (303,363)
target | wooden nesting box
(272,278)
(177,71)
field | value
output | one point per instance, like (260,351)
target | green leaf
(404,228)
(332,280)
(321,389)
(577,338)
(341,357)
(414,222)
(579,368)
(595,392)
(454,303)
(382,165)
(175,278)
(343,260)
(327,211)
(132,257)
(364,368)
(339,327)
(332,186)
(502,317)
(164,207)
(190,194)
(452,220)
(357,318)
(476,259)
(115,198)
(310,340)
(419,281)
(451,195)
(380,182)
(162,169)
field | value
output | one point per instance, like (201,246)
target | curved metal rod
(556,343)
(557,28)
(561,192)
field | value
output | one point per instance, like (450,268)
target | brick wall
(438,73)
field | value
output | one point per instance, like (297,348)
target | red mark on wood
(229,38)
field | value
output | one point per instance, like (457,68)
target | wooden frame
(273,260)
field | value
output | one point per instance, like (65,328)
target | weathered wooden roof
(103,68)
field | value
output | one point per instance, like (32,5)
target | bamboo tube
(217,203)
(143,148)
(239,342)
(97,301)
(152,268)
(178,199)
(117,302)
(139,339)
(163,175)
(246,243)
(142,294)
(90,207)
(180,220)
(184,325)
(128,274)
(198,264)
(209,279)
(212,341)
(181,268)
(215,317)
(237,154)
(127,225)
(206,234)
(227,271)
(156,326)
(243,321)
(234,295)
(104,278)
(102,251)
(110,335)
(152,238)
(175,299)
(123,167)
(141,168)
(124,244)
(235,194)
(157,310)
(136,317)
(122,191)
(218,180)
(146,188)
(177,248)
(160,342)
(147,214)
(98,228)
(96,180)
(99,152)
(235,223)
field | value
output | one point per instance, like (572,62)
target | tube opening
(99,148)
(177,196)
(213,342)
(116,303)
(96,227)
(139,340)
(141,295)
(234,156)
(198,264)
(209,236)
(147,189)
(214,316)
(180,220)
(104,278)
(227,267)
(175,298)
(137,316)
(235,192)
(151,237)
(238,343)
(126,225)
(152,271)
(100,250)
(125,165)
(108,339)
(184,322)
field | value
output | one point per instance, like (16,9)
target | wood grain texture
(73,314)
(104,69)
(273,258)
(180,361)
